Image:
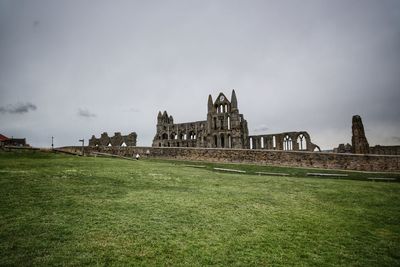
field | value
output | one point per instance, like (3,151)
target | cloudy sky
(76,68)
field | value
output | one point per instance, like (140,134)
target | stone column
(358,140)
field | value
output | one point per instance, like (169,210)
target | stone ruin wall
(381,163)
(189,134)
(360,143)
(225,127)
(296,141)
(385,150)
(117,140)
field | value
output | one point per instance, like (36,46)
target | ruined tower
(358,140)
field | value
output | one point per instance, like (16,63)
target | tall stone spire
(159,117)
(234,104)
(358,140)
(210,104)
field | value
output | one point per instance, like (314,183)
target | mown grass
(67,210)
(294,172)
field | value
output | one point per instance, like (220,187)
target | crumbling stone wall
(116,140)
(343,148)
(297,141)
(258,156)
(385,150)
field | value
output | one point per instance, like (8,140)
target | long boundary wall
(341,161)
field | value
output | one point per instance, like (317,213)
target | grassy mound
(66,210)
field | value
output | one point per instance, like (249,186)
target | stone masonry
(359,141)
(225,127)
(116,140)
(360,144)
(366,162)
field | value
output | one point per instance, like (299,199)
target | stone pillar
(358,140)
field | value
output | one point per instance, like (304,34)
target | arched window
(287,143)
(184,137)
(251,142)
(123,144)
(215,141)
(274,141)
(302,141)
(229,123)
(215,123)
(226,108)
(229,141)
(221,108)
(164,136)
(262,142)
(222,138)
(109,144)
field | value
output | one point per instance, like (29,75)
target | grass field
(67,210)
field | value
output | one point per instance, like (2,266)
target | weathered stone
(359,141)
(366,162)
(342,148)
(225,127)
(297,141)
(117,140)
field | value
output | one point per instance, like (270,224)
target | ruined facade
(116,140)
(225,127)
(297,141)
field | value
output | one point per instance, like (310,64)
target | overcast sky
(76,68)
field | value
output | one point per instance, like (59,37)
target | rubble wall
(368,162)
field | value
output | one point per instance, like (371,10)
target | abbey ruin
(116,140)
(225,127)
(224,137)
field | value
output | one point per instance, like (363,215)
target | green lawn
(68,210)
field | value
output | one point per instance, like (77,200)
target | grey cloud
(86,113)
(261,128)
(18,108)
(396,139)
(296,65)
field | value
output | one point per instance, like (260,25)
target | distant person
(137,156)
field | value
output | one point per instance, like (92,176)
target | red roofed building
(5,141)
